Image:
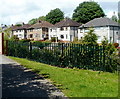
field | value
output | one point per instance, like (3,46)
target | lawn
(76,82)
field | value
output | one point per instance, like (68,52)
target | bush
(25,40)
(116,45)
(39,44)
(53,39)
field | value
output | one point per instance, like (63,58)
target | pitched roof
(41,24)
(14,27)
(100,22)
(25,26)
(66,23)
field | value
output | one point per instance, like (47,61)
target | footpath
(19,82)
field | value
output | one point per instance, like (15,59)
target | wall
(67,32)
(101,32)
(20,34)
(37,34)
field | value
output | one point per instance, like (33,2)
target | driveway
(19,82)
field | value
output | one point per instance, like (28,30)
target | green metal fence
(64,55)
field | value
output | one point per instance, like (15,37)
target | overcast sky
(12,11)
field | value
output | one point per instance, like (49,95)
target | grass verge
(76,82)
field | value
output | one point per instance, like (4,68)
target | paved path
(20,82)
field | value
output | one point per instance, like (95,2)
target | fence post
(6,49)
(30,49)
(62,49)
(104,58)
(1,43)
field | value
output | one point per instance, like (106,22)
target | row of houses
(67,29)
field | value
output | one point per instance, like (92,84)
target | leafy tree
(33,21)
(114,17)
(109,47)
(87,11)
(90,37)
(7,33)
(18,24)
(42,18)
(55,16)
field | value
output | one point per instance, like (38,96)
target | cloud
(12,11)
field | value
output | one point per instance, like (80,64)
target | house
(103,27)
(20,31)
(64,30)
(39,31)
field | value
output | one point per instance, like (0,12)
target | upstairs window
(62,28)
(66,28)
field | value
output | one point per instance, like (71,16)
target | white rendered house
(65,30)
(102,27)
(20,31)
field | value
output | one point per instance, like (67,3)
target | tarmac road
(21,83)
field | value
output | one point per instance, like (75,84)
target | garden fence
(64,55)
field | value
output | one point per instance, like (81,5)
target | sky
(13,11)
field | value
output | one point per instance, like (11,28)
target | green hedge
(64,55)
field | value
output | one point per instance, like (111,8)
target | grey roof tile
(100,22)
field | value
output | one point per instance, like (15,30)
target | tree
(33,21)
(55,16)
(114,17)
(42,18)
(87,11)
(90,37)
(109,47)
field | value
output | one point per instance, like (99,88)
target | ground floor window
(31,35)
(62,36)
(66,36)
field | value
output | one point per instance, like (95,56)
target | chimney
(39,21)
(23,23)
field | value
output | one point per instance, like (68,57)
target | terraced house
(20,31)
(65,30)
(39,31)
(103,27)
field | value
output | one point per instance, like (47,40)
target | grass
(76,82)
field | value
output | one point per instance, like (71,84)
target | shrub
(39,44)
(116,45)
(25,40)
(53,39)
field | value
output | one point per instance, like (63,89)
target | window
(43,35)
(99,38)
(50,30)
(66,36)
(20,35)
(66,28)
(31,30)
(62,36)
(36,35)
(31,35)
(117,33)
(62,28)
